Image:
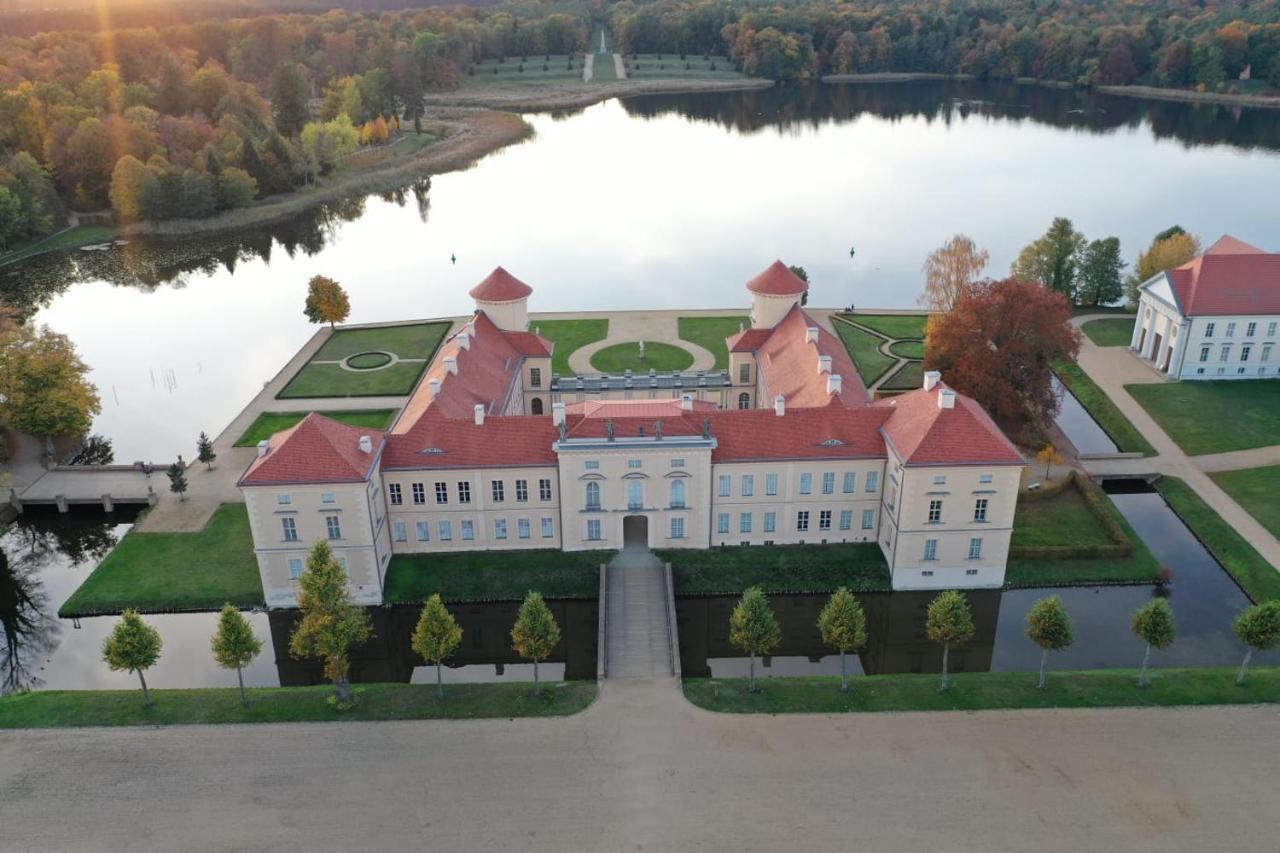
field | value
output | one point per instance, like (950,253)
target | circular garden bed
(657,356)
(907,348)
(368,360)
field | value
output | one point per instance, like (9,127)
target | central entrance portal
(635,531)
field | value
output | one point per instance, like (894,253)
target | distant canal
(1085,433)
(669,201)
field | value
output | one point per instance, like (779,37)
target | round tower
(504,299)
(773,293)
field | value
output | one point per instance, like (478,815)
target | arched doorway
(535,407)
(635,531)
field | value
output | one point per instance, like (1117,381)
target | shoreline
(538,97)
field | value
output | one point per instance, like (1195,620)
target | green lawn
(661,357)
(864,349)
(529,69)
(268,424)
(1247,413)
(569,335)
(83,235)
(908,349)
(418,340)
(322,377)
(1104,411)
(1117,332)
(1064,520)
(494,575)
(778,568)
(972,691)
(908,378)
(710,333)
(647,65)
(895,326)
(1257,490)
(1259,578)
(61,708)
(156,572)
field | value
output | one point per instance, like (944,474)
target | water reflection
(1085,433)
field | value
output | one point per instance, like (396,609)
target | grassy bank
(973,691)
(778,568)
(1104,411)
(61,708)
(1250,569)
(1180,408)
(1255,489)
(69,238)
(494,575)
(268,424)
(158,572)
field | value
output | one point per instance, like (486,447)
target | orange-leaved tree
(327,302)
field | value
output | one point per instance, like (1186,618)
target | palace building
(493,452)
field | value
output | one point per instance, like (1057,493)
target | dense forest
(192,118)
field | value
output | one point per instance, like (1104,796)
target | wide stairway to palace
(638,635)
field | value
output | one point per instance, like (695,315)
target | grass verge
(159,572)
(864,348)
(657,356)
(1260,580)
(1115,332)
(569,336)
(710,333)
(1255,489)
(1103,410)
(974,691)
(213,705)
(331,380)
(268,424)
(909,377)
(778,568)
(494,575)
(897,326)
(1180,408)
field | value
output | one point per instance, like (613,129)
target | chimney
(824,364)
(686,402)
(557,413)
(811,335)
(479,414)
(263,447)
(946,399)
(451,364)
(779,405)
(464,340)
(366,444)
(434,384)
(931,378)
(834,382)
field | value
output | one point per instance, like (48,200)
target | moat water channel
(48,555)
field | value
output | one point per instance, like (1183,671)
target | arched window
(744,401)
(677,494)
(593,495)
(535,408)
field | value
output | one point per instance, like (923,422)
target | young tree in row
(1259,629)
(949,622)
(1049,627)
(843,626)
(327,302)
(1053,259)
(1153,623)
(436,637)
(235,645)
(331,625)
(133,646)
(178,480)
(535,633)
(43,386)
(204,451)
(949,271)
(753,628)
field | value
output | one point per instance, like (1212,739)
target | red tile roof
(748,340)
(669,408)
(827,432)
(436,441)
(529,344)
(777,280)
(500,286)
(1230,278)
(921,433)
(789,364)
(315,450)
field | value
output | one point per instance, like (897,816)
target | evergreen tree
(133,646)
(235,645)
(1049,627)
(1153,623)
(843,626)
(204,451)
(331,625)
(753,628)
(949,622)
(535,633)
(252,163)
(1259,629)
(436,637)
(289,94)
(178,480)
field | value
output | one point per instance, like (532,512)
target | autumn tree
(843,626)
(1050,456)
(999,344)
(235,645)
(43,389)
(950,270)
(1259,629)
(535,633)
(204,451)
(949,622)
(436,636)
(1171,248)
(753,629)
(1053,259)
(1049,627)
(132,646)
(1100,273)
(1153,623)
(331,625)
(327,302)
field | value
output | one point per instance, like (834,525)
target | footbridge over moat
(637,617)
(105,486)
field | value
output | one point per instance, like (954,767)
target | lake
(656,202)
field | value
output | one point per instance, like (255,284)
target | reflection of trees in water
(152,262)
(28,627)
(788,107)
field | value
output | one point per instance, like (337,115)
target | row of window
(1250,329)
(1262,371)
(497,491)
(287,499)
(979,510)
(848,484)
(1246,350)
(467,529)
(332,524)
(931,549)
(296,566)
(746,521)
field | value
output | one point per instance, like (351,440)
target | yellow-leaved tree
(43,389)
(327,302)
(1170,248)
(949,270)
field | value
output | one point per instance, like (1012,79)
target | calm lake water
(653,202)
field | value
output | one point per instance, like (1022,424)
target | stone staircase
(638,633)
